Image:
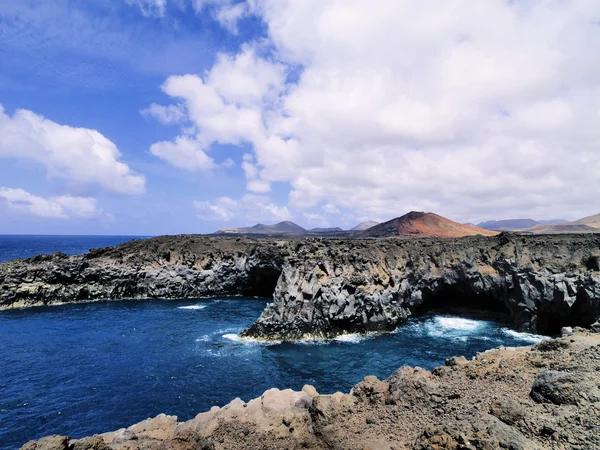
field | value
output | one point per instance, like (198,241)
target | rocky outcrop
(164,267)
(330,287)
(338,287)
(528,398)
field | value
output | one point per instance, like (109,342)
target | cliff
(331,287)
(528,398)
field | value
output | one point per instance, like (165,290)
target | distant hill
(326,230)
(259,228)
(590,224)
(562,228)
(423,224)
(516,224)
(590,221)
(508,224)
(552,221)
(364,225)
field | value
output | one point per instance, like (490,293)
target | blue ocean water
(25,246)
(88,368)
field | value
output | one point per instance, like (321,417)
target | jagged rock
(91,443)
(456,361)
(565,388)
(372,390)
(49,443)
(324,289)
(507,411)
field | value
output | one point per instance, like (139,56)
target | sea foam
(526,337)
(193,307)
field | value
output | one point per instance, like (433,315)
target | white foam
(526,337)
(351,338)
(194,307)
(457,323)
(245,340)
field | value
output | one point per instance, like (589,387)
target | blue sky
(182,116)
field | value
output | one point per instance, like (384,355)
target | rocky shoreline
(546,396)
(331,287)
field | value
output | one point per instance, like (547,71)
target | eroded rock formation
(334,287)
(528,398)
(330,287)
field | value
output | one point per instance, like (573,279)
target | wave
(457,323)
(246,340)
(525,337)
(193,307)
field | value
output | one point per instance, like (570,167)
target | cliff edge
(331,287)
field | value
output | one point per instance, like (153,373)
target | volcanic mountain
(508,224)
(259,228)
(517,224)
(364,225)
(590,224)
(424,224)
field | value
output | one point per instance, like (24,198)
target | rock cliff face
(336,287)
(528,398)
(164,267)
(331,287)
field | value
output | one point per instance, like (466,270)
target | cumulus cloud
(79,155)
(62,207)
(225,107)
(258,208)
(472,111)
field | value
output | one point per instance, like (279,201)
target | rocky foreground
(330,287)
(541,397)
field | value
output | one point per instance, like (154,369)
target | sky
(149,117)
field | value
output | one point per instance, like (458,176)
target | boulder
(565,388)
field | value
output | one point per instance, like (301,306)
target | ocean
(89,368)
(25,246)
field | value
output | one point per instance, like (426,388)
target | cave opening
(461,300)
(261,282)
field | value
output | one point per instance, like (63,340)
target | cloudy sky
(182,116)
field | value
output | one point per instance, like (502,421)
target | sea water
(89,368)
(25,246)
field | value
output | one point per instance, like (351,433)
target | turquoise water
(25,246)
(95,367)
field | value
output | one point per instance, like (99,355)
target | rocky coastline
(324,288)
(546,396)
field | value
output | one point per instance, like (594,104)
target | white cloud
(62,207)
(150,8)
(331,209)
(165,114)
(316,220)
(225,108)
(79,155)
(184,153)
(250,207)
(226,12)
(471,111)
(229,15)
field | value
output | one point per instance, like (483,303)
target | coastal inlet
(63,367)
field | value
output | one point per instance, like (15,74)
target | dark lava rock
(565,388)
